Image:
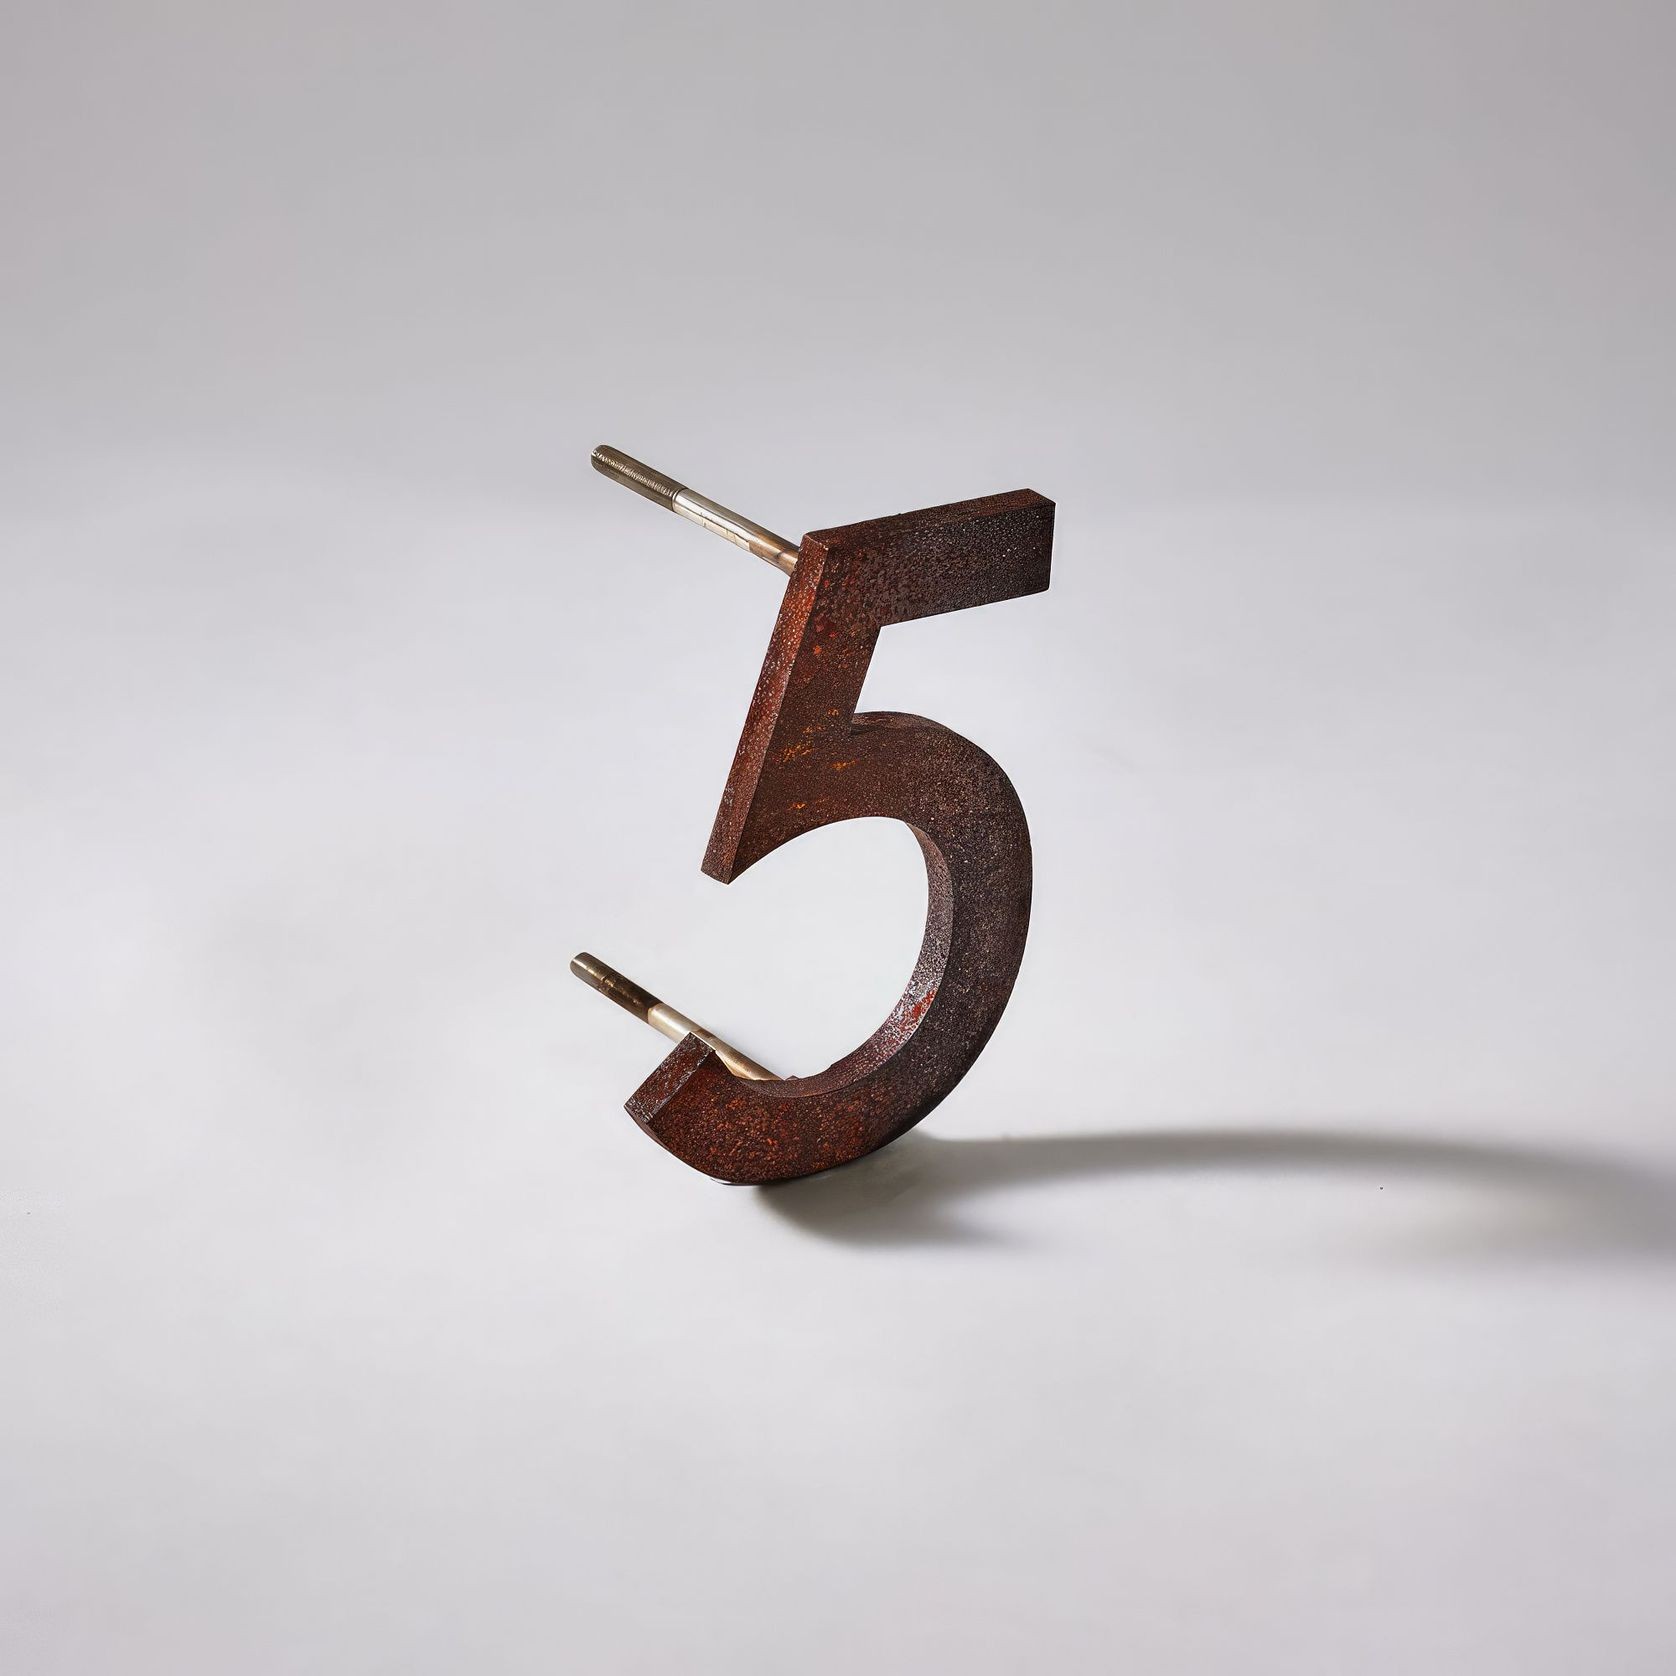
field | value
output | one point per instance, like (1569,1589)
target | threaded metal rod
(650,1010)
(730,526)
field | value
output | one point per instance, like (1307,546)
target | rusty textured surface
(807,759)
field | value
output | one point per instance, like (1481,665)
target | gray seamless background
(1290,1286)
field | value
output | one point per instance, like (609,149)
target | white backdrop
(1289,1287)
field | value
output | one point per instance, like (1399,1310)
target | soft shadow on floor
(1555,1203)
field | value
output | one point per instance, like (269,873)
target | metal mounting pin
(730,526)
(649,1009)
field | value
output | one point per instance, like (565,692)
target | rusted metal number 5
(806,759)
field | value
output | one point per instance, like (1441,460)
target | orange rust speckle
(839,767)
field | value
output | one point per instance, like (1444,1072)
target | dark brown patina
(805,760)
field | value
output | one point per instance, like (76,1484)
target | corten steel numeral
(807,759)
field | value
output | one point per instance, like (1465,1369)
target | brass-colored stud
(730,526)
(663,1018)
